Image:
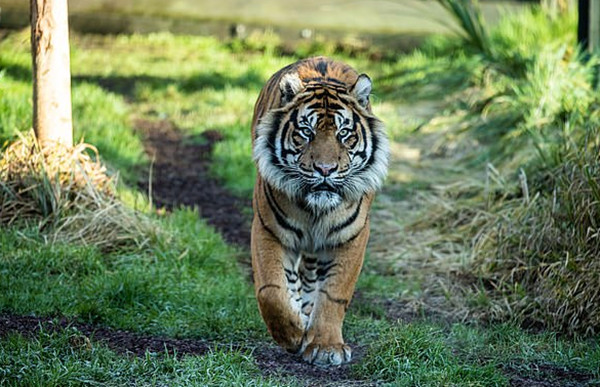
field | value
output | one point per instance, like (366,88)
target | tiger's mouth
(322,197)
(323,187)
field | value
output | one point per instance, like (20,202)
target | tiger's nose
(325,169)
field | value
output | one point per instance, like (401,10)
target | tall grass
(471,25)
(67,194)
(534,227)
(537,253)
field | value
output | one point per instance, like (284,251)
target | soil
(180,176)
(547,375)
(270,359)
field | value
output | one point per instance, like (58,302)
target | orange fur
(309,240)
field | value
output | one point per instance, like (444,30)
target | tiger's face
(323,146)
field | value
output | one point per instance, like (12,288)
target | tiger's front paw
(289,335)
(327,355)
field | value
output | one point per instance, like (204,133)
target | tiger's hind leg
(323,343)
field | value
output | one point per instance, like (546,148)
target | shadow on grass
(428,81)
(126,86)
(16,71)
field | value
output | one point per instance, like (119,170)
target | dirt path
(180,177)
(422,162)
(269,358)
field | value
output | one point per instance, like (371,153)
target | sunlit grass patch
(102,119)
(522,351)
(15,106)
(186,282)
(418,354)
(99,118)
(59,359)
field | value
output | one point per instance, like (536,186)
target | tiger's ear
(290,85)
(362,89)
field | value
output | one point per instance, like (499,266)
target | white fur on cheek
(263,156)
(354,185)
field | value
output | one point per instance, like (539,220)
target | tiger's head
(323,146)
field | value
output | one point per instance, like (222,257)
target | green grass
(424,353)
(56,359)
(510,346)
(185,281)
(533,105)
(178,287)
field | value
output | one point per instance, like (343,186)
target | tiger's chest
(306,233)
(309,260)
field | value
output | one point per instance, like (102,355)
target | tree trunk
(52,118)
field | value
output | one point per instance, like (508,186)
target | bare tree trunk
(588,30)
(52,117)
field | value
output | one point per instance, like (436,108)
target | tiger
(320,155)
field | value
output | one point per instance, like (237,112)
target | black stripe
(268,286)
(320,83)
(284,133)
(273,137)
(321,67)
(336,106)
(315,105)
(333,80)
(269,193)
(262,222)
(336,300)
(308,280)
(327,266)
(310,260)
(323,272)
(363,131)
(348,221)
(374,140)
(280,216)
(323,278)
(289,275)
(353,237)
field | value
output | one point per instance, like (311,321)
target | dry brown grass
(533,250)
(67,194)
(539,255)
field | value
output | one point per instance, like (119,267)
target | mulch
(269,358)
(180,176)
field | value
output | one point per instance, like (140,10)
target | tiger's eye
(307,132)
(343,132)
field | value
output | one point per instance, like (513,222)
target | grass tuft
(468,16)
(539,251)
(532,226)
(419,355)
(67,193)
